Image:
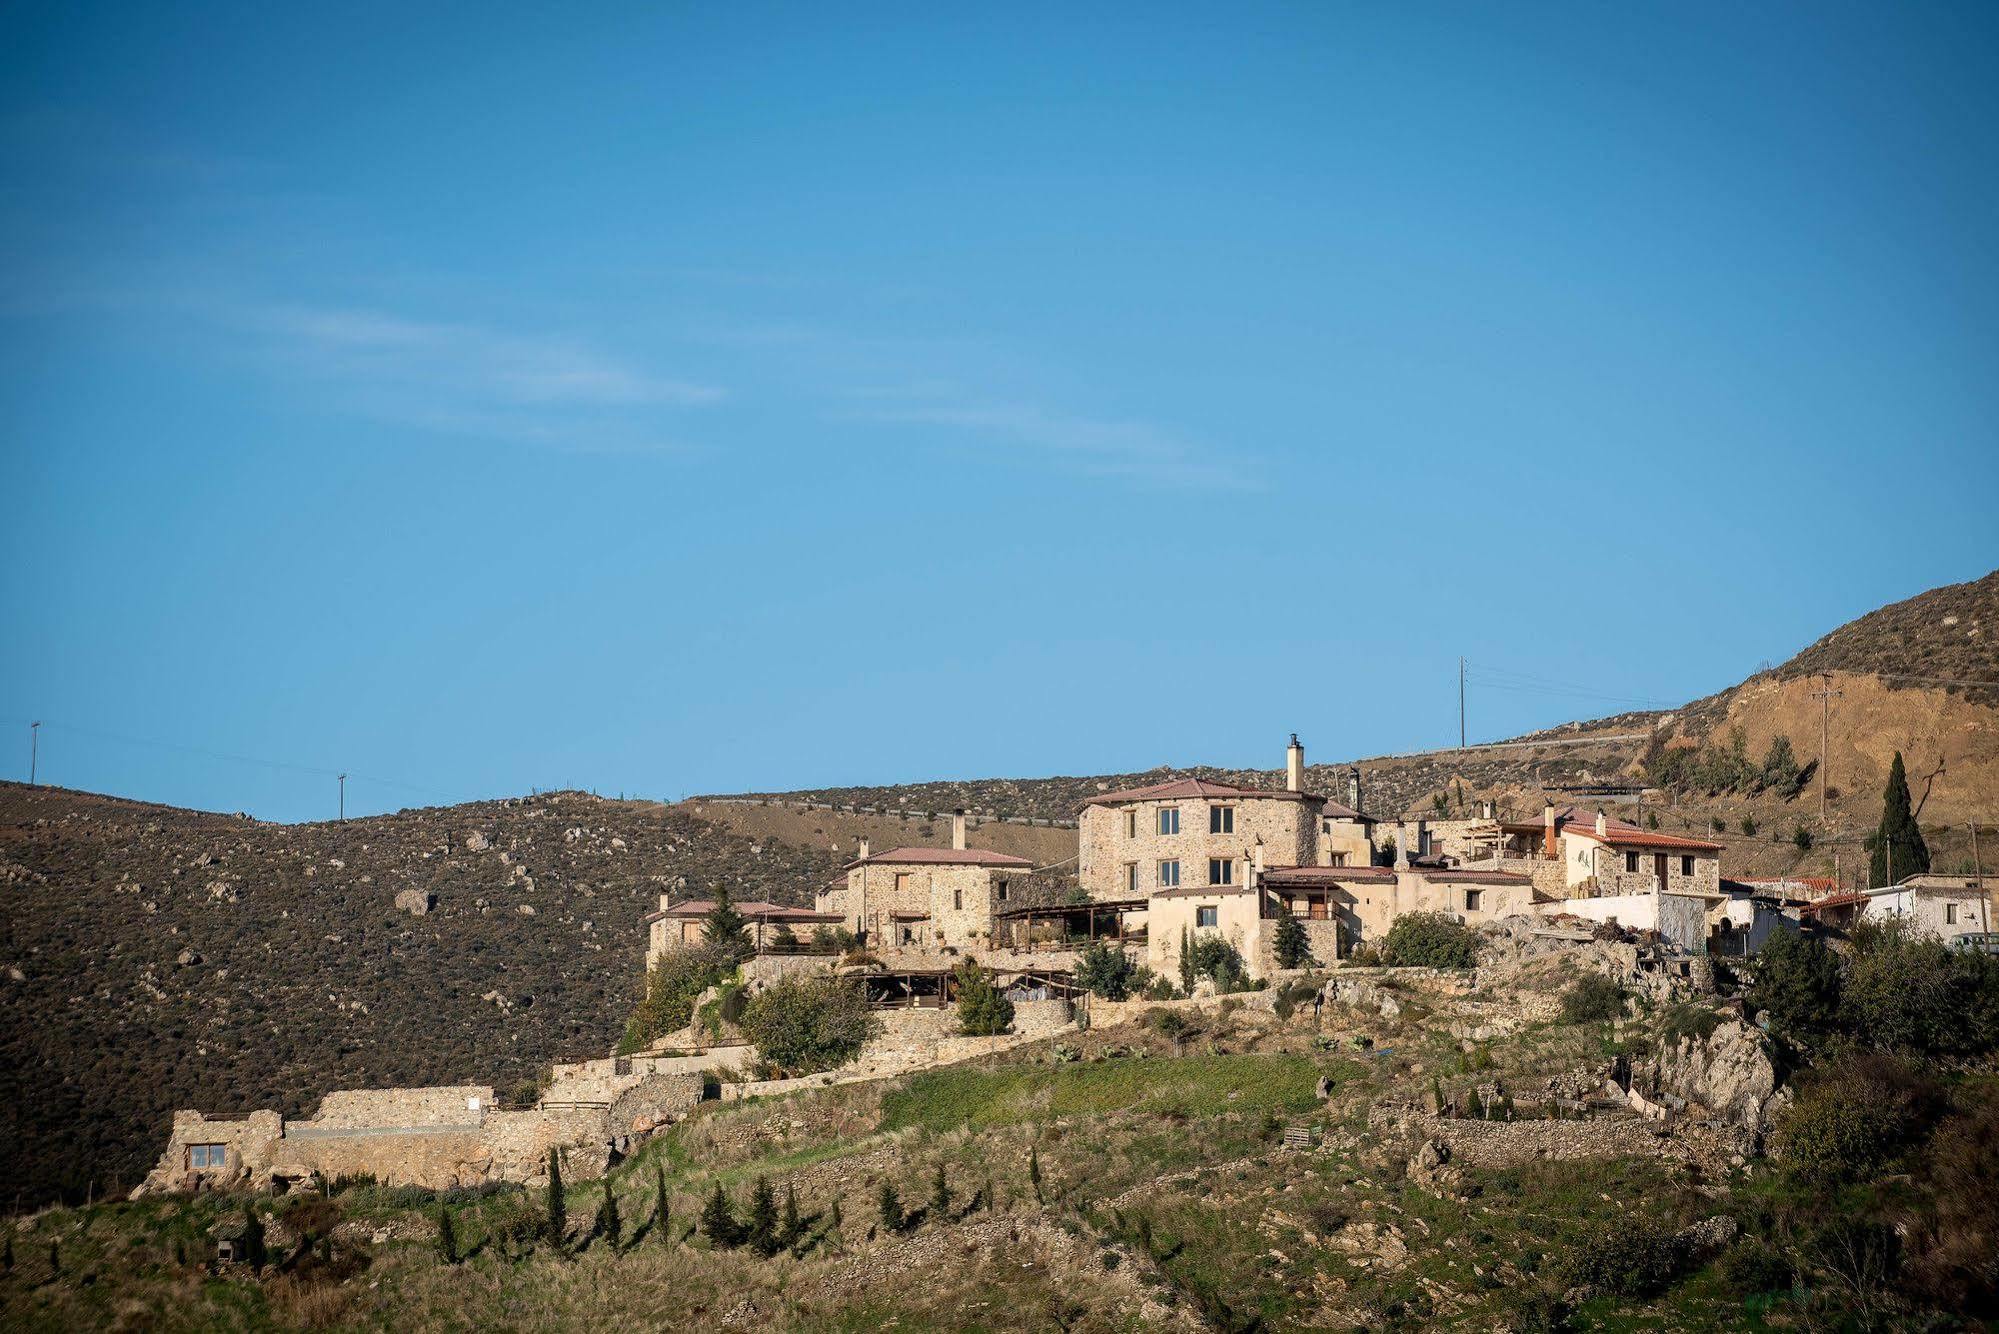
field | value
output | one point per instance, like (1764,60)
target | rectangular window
(1169,819)
(1131,877)
(1631,862)
(1687,867)
(204,1155)
(1221,819)
(1002,891)
(1221,871)
(1339,859)
(1131,824)
(1950,914)
(1471,900)
(901,882)
(1207,916)
(1169,874)
(958,899)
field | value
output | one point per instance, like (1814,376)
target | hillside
(153,958)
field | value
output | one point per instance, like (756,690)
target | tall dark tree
(608,1224)
(447,1237)
(725,928)
(1292,948)
(1897,850)
(718,1220)
(792,1227)
(763,1218)
(558,1208)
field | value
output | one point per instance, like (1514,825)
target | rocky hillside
(153,958)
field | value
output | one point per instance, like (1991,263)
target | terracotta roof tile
(941,857)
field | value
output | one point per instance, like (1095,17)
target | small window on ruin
(1472,897)
(1002,891)
(958,900)
(1950,914)
(200,1156)
(1221,819)
(1131,823)
(1169,819)
(1207,916)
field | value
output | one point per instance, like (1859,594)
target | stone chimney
(1353,788)
(1402,846)
(863,854)
(1294,766)
(666,900)
(1602,825)
(958,829)
(1548,832)
(1256,865)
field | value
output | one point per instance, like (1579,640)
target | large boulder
(1729,1073)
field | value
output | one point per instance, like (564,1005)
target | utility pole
(34,749)
(1824,697)
(1461,703)
(343,798)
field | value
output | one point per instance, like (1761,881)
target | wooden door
(1659,869)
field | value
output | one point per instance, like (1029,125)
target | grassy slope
(1163,1200)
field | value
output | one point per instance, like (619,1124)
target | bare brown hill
(154,958)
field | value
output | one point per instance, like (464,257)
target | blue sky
(664,400)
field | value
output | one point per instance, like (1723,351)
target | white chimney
(1294,765)
(1402,846)
(665,901)
(958,829)
(1602,825)
(864,851)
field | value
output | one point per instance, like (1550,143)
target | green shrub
(672,986)
(1625,1257)
(718,1220)
(1801,838)
(1211,956)
(1797,981)
(1592,999)
(1429,940)
(983,1010)
(805,1025)
(1104,970)
(1853,1117)
(1913,993)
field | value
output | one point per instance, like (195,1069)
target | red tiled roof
(1845,900)
(941,857)
(1818,884)
(1198,787)
(1621,835)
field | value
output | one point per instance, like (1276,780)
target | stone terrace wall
(450,1105)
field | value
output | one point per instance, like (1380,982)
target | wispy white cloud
(470,379)
(509,367)
(1132,449)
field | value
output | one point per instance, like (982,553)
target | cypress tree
(1186,963)
(1897,850)
(1034,1171)
(662,1213)
(891,1207)
(1292,948)
(940,1194)
(792,1228)
(763,1218)
(558,1212)
(726,928)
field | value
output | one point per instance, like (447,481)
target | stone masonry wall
(1286,828)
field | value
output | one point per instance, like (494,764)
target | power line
(288,766)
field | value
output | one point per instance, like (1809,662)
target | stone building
(1943,906)
(1601,857)
(1191,833)
(678,925)
(925,898)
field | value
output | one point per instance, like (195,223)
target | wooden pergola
(1100,919)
